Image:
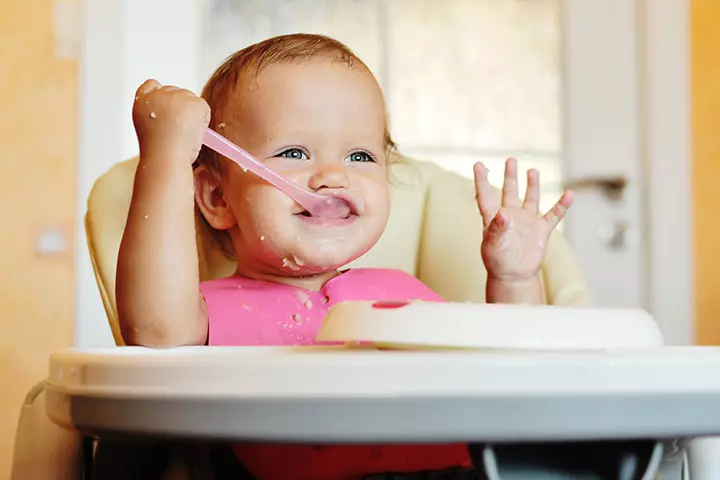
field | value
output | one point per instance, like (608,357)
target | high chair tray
(336,395)
(467,325)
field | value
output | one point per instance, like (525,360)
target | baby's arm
(158,296)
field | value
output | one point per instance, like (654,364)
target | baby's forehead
(301,73)
(303,90)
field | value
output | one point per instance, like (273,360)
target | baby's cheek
(269,217)
(259,206)
(267,228)
(273,244)
(379,209)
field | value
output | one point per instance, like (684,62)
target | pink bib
(246,312)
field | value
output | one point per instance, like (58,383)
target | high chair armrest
(43,449)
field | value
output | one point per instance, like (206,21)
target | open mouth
(330,214)
(306,214)
(326,221)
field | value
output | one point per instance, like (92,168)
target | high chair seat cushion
(434,233)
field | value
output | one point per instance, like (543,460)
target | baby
(311,110)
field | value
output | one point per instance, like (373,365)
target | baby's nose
(328,176)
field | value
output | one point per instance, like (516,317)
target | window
(465,80)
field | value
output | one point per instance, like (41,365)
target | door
(602,154)
(38,122)
(550,82)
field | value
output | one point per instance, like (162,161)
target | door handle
(611,187)
(615,235)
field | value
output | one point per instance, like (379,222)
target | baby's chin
(300,264)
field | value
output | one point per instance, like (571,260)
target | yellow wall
(705,18)
(38,122)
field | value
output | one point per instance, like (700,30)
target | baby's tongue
(332,207)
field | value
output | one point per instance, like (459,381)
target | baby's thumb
(498,226)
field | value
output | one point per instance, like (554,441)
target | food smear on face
(290,263)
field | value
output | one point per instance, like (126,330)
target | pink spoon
(316,205)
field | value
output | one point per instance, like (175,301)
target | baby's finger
(557,213)
(487,200)
(147,87)
(510,197)
(532,193)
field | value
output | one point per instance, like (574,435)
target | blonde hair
(224,82)
(252,60)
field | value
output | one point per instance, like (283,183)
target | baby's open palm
(515,236)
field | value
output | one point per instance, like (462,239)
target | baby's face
(321,124)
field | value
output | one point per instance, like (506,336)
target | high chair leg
(131,459)
(147,460)
(632,460)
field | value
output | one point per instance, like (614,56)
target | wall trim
(668,161)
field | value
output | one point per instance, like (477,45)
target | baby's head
(313,112)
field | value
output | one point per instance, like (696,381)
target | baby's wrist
(168,151)
(513,279)
(514,290)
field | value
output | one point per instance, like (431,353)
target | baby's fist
(170,119)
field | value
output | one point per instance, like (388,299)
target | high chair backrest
(434,233)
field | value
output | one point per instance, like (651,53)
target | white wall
(124,43)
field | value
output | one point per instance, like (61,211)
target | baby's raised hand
(515,236)
(169,121)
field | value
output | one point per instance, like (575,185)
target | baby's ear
(211,201)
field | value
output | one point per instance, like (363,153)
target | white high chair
(434,233)
(422,237)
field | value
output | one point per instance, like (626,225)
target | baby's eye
(360,157)
(294,153)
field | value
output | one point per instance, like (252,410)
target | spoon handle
(226,148)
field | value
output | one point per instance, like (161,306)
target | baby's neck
(312,283)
